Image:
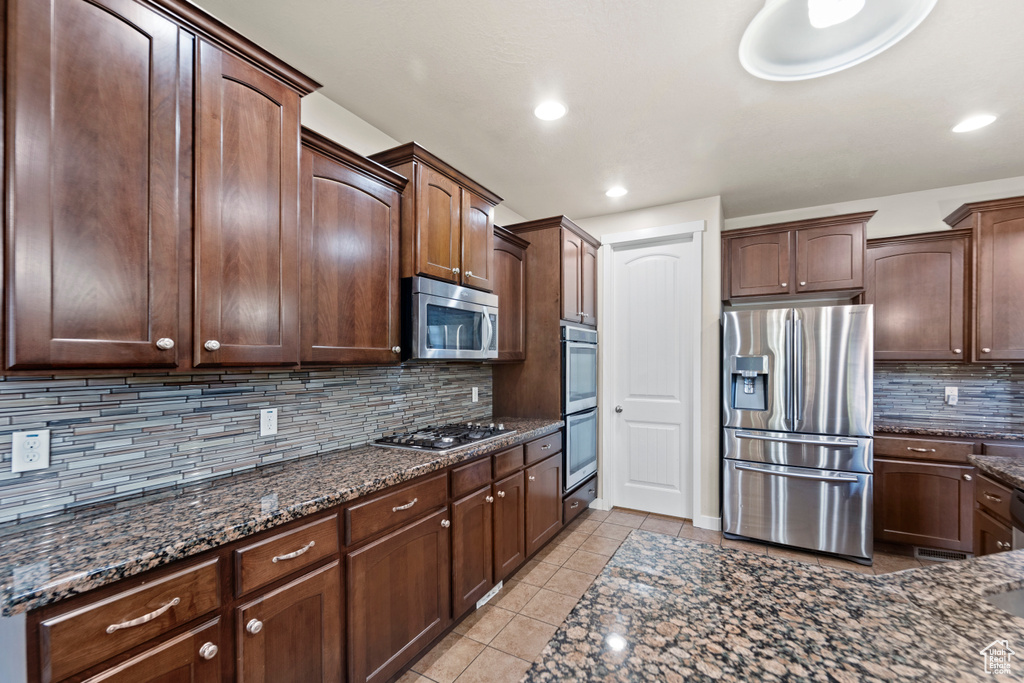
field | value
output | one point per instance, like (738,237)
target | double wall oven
(579,402)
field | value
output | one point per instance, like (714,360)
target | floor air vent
(933,555)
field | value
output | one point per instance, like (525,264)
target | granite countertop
(50,557)
(949,430)
(1007,469)
(672,609)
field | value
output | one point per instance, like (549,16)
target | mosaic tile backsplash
(117,435)
(989,395)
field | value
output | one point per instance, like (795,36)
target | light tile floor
(499,642)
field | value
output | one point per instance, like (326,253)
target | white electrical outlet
(30,450)
(476,394)
(268,421)
(952,396)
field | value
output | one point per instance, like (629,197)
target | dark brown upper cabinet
(998,234)
(349,253)
(510,286)
(96,93)
(447,219)
(919,286)
(807,259)
(579,276)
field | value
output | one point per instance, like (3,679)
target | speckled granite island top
(48,558)
(1003,468)
(948,430)
(671,609)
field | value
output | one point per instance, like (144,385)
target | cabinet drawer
(542,448)
(181,655)
(993,497)
(923,449)
(471,477)
(86,636)
(507,462)
(394,508)
(579,500)
(261,563)
(1013,450)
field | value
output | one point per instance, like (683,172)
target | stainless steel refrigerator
(797,428)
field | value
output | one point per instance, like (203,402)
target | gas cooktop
(444,438)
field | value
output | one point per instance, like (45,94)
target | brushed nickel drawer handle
(406,506)
(292,556)
(921,450)
(545,447)
(146,618)
(986,350)
(995,499)
(575,505)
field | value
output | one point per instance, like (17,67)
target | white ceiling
(657,99)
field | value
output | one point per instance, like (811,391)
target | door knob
(618,409)
(212,345)
(164,343)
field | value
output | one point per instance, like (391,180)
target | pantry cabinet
(447,219)
(809,258)
(349,252)
(510,286)
(919,286)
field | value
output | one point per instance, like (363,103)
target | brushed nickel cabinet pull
(164,343)
(986,350)
(1002,545)
(574,505)
(145,618)
(532,478)
(921,450)
(445,523)
(968,477)
(957,350)
(208,651)
(995,499)
(212,345)
(501,494)
(545,447)
(489,499)
(406,506)
(254,626)
(292,556)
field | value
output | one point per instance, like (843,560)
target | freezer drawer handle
(793,439)
(837,479)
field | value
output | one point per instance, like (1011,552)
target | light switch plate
(952,396)
(476,394)
(30,450)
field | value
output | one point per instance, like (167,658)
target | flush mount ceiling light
(973,123)
(550,110)
(792,40)
(616,191)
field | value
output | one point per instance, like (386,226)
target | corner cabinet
(447,219)
(932,324)
(510,286)
(998,234)
(349,252)
(810,258)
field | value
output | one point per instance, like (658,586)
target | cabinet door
(192,657)
(927,504)
(929,325)
(759,265)
(1000,286)
(350,295)
(991,535)
(830,258)
(293,634)
(572,269)
(510,286)
(438,239)
(399,599)
(477,242)
(96,93)
(543,502)
(247,211)
(472,549)
(588,285)
(509,524)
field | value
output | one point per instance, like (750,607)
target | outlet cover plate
(30,450)
(268,421)
(952,396)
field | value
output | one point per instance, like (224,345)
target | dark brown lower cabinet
(509,524)
(543,502)
(293,634)
(192,657)
(472,556)
(398,597)
(991,535)
(924,503)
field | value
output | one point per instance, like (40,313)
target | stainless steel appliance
(797,428)
(579,402)
(445,438)
(442,321)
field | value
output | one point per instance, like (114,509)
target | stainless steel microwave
(442,321)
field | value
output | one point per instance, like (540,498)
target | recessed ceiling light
(616,191)
(550,110)
(973,123)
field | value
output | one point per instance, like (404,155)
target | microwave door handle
(458,334)
(489,328)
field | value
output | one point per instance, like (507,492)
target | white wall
(330,119)
(708,210)
(898,214)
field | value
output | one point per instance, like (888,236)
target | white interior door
(656,321)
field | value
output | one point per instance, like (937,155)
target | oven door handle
(835,479)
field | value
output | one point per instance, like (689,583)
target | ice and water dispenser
(750,382)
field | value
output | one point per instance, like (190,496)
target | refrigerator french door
(797,427)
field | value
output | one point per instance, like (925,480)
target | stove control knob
(501,426)
(469,425)
(492,426)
